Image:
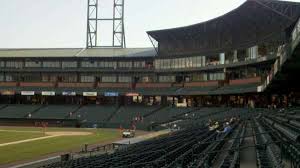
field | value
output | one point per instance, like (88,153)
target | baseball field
(18,144)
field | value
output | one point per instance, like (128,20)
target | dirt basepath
(48,135)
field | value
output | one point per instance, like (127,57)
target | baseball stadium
(223,93)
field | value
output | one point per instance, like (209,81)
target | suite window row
(178,63)
(68,78)
(74,64)
(13,77)
(196,77)
(251,53)
(174,63)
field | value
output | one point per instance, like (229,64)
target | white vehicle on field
(128,134)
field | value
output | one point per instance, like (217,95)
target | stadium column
(164,100)
(121,100)
(117,100)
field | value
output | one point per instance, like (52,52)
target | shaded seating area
(126,114)
(185,148)
(167,113)
(95,113)
(17,110)
(55,112)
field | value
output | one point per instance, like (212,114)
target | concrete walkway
(248,155)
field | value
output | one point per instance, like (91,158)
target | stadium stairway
(154,111)
(89,115)
(34,111)
(17,110)
(54,111)
(268,153)
(73,113)
(3,106)
(248,155)
(113,114)
(229,157)
(126,114)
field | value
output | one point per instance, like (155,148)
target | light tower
(93,37)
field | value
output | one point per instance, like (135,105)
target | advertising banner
(27,93)
(111,94)
(131,94)
(48,93)
(89,94)
(8,92)
(66,93)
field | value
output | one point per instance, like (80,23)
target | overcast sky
(62,23)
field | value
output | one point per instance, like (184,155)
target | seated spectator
(227,129)
(214,126)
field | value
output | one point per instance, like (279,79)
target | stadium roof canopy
(79,52)
(253,22)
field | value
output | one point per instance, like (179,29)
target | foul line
(28,140)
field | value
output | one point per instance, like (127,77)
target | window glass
(166,78)
(69,64)
(33,64)
(66,78)
(126,64)
(87,78)
(89,64)
(125,79)
(51,64)
(2,63)
(14,64)
(109,79)
(2,77)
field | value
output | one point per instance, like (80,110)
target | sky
(62,23)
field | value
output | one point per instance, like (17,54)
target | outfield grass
(36,149)
(6,136)
(49,129)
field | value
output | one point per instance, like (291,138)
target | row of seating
(268,153)
(197,147)
(232,157)
(284,127)
(129,113)
(17,110)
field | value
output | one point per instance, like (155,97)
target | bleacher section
(115,116)
(166,114)
(197,147)
(55,112)
(184,148)
(126,114)
(17,110)
(95,113)
(274,131)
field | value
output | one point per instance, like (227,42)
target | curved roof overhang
(254,22)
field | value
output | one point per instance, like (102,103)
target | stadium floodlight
(93,37)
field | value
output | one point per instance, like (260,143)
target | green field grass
(6,136)
(35,149)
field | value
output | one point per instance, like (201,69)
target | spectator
(227,129)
